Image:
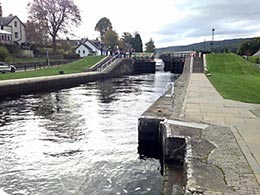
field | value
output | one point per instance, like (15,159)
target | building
(13,30)
(257,53)
(90,47)
(5,37)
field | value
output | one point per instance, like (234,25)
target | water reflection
(81,140)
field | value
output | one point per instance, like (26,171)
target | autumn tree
(149,46)
(111,39)
(56,16)
(103,26)
(34,34)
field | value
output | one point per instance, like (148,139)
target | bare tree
(54,16)
(34,33)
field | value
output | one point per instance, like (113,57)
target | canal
(81,140)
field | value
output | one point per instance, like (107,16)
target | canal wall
(18,87)
(196,157)
(124,66)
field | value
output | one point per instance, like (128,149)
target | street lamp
(213,30)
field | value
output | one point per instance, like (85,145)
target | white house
(5,37)
(13,25)
(90,47)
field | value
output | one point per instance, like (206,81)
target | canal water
(81,140)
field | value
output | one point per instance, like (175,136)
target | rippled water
(81,140)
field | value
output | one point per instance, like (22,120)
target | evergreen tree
(137,43)
(249,47)
(150,47)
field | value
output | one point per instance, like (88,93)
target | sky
(167,22)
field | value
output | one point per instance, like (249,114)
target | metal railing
(171,84)
(106,64)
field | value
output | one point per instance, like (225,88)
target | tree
(1,11)
(4,53)
(127,38)
(137,43)
(111,39)
(150,47)
(33,33)
(249,47)
(103,26)
(55,16)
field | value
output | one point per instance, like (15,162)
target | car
(4,67)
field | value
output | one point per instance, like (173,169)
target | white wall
(19,29)
(80,50)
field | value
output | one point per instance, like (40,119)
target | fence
(39,65)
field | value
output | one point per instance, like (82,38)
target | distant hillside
(219,46)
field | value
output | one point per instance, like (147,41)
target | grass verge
(74,67)
(254,59)
(234,77)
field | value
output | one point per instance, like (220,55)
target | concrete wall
(40,84)
(142,66)
(16,87)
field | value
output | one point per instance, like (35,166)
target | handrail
(171,84)
(108,63)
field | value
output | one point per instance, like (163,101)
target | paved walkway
(204,104)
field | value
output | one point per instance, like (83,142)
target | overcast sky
(167,22)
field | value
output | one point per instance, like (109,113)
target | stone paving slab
(203,103)
(214,163)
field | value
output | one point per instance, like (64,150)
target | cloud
(233,18)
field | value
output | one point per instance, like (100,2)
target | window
(83,51)
(15,23)
(2,27)
(78,51)
(16,35)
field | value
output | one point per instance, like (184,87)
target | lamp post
(213,30)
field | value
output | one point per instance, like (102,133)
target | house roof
(91,50)
(4,21)
(86,46)
(96,43)
(257,53)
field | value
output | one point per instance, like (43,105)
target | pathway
(204,104)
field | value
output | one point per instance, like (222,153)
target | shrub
(4,53)
(13,49)
(71,56)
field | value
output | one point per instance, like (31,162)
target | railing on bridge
(106,64)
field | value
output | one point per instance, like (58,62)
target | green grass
(234,77)
(253,59)
(74,67)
